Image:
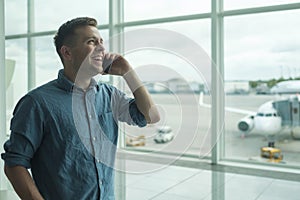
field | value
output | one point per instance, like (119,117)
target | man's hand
(115,64)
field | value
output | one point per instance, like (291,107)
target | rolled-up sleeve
(26,133)
(137,117)
(126,110)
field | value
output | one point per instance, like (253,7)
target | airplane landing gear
(271,140)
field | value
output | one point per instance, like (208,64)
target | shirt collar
(67,85)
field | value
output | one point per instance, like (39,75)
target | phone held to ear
(107,63)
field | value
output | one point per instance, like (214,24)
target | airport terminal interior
(224,74)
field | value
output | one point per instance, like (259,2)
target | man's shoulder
(45,88)
(43,92)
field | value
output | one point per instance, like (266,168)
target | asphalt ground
(191,125)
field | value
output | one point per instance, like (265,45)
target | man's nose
(100,47)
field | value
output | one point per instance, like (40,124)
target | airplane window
(269,115)
(260,114)
(275,115)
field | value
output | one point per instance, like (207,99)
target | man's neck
(79,80)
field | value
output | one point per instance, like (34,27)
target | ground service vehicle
(164,134)
(271,153)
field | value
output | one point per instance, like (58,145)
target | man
(66,130)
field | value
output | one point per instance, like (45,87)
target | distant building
(262,88)
(236,87)
(175,85)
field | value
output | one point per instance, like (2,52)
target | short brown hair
(67,30)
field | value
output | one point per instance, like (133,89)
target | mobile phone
(107,63)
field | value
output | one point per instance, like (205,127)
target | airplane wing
(229,109)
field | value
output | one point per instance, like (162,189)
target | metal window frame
(3,182)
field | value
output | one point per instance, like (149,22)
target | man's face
(87,51)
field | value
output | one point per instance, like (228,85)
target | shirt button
(100,182)
(90,116)
(94,138)
(98,160)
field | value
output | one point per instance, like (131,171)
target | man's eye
(91,41)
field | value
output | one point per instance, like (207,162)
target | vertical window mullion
(217,88)
(3,181)
(31,46)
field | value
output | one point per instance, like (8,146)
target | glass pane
(47,60)
(196,30)
(15,17)
(45,20)
(166,56)
(236,4)
(138,10)
(259,55)
(16,74)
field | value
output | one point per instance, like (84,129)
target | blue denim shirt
(68,138)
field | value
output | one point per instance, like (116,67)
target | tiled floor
(178,183)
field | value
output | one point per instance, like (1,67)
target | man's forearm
(23,183)
(142,98)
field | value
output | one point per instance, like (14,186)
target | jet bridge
(289,110)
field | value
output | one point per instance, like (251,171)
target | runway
(191,125)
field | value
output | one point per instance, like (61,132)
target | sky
(257,47)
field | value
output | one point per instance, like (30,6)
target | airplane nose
(268,126)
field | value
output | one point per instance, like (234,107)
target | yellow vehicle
(273,154)
(136,141)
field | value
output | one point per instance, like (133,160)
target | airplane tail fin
(201,99)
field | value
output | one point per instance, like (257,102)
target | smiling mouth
(98,58)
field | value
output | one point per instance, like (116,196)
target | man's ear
(66,52)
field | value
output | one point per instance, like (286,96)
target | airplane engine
(246,124)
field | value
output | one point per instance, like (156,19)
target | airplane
(286,87)
(270,119)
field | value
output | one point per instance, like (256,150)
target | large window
(16,74)
(262,52)
(175,46)
(69,9)
(163,55)
(15,23)
(135,10)
(237,4)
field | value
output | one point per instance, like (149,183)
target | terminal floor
(179,183)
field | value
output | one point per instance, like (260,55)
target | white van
(164,134)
